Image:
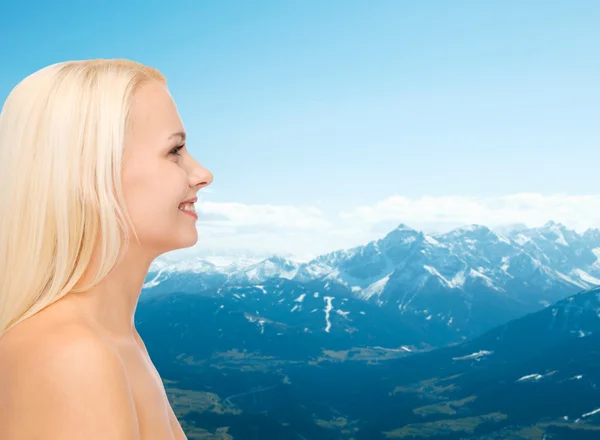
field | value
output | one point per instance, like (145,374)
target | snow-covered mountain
(508,312)
(465,281)
(539,260)
(561,256)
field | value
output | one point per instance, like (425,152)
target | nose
(200,176)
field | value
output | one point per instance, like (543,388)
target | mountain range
(469,334)
(451,287)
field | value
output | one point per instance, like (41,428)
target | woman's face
(156,180)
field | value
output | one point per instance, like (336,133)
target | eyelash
(175,150)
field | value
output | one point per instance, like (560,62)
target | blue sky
(337,115)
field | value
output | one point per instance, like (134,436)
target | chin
(190,241)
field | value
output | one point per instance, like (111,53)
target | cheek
(153,197)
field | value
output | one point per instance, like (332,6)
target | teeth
(187,207)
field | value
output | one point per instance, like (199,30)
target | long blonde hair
(62,132)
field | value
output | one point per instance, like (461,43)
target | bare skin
(53,346)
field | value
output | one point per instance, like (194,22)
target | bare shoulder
(70,382)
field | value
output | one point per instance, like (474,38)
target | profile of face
(156,177)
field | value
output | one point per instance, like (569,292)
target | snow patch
(570,280)
(261,322)
(400,350)
(432,241)
(584,276)
(375,288)
(488,281)
(591,413)
(477,355)
(433,271)
(521,239)
(155,281)
(328,308)
(530,377)
(459,279)
(300,298)
(342,313)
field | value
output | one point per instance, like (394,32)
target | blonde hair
(62,132)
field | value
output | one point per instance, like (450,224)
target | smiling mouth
(187,207)
(189,210)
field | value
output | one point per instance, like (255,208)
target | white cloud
(269,216)
(305,230)
(577,212)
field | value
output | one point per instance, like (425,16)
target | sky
(327,123)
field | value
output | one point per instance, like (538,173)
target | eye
(175,150)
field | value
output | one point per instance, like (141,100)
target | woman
(91,152)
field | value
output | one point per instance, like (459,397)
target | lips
(194,200)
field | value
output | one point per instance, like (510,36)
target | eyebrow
(182,134)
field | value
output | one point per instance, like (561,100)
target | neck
(111,304)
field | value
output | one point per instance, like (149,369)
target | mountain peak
(403,235)
(592,233)
(551,224)
(403,227)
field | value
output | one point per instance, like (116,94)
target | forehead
(154,114)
